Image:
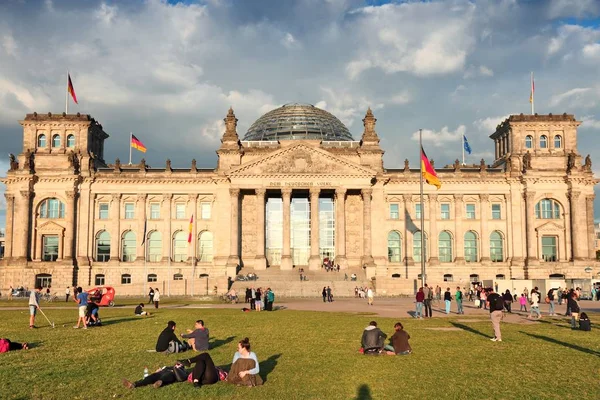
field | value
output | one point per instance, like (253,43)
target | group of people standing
(154,297)
(260,299)
(327,294)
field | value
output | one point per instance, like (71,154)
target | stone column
(260,261)
(314,262)
(484,206)
(8,244)
(193,246)
(367,255)
(589,204)
(140,216)
(575,243)
(234,257)
(166,231)
(115,227)
(433,233)
(340,228)
(458,229)
(70,229)
(409,227)
(532,256)
(286,257)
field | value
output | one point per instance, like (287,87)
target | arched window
(128,247)
(448,278)
(180,247)
(56,141)
(125,279)
(496,247)
(557,276)
(43,280)
(500,276)
(41,142)
(543,142)
(152,278)
(205,247)
(52,208)
(557,141)
(394,250)
(71,141)
(99,279)
(417,246)
(471,247)
(103,246)
(178,277)
(154,246)
(445,247)
(528,142)
(547,209)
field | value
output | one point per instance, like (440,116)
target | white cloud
(289,41)
(591,51)
(488,125)
(403,97)
(10,45)
(573,8)
(106,13)
(482,70)
(442,137)
(346,106)
(589,122)
(571,96)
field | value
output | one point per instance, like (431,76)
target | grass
(304,355)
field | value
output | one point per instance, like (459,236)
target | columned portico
(368,256)
(234,258)
(260,261)
(286,255)
(340,228)
(314,262)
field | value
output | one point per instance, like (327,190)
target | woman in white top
(245,367)
(535,304)
(156,297)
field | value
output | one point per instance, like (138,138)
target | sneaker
(157,384)
(76,327)
(128,384)
(498,340)
(494,339)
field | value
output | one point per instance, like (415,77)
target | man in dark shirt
(166,337)
(372,340)
(198,338)
(399,342)
(496,305)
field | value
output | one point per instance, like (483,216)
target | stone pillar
(589,205)
(314,262)
(484,206)
(8,244)
(140,216)
(286,255)
(575,243)
(234,257)
(340,228)
(433,233)
(497,148)
(260,261)
(70,228)
(408,228)
(367,255)
(532,256)
(115,227)
(166,232)
(193,246)
(458,229)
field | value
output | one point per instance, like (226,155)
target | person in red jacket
(419,301)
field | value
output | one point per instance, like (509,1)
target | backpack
(499,303)
(4,345)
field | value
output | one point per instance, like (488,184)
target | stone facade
(75,218)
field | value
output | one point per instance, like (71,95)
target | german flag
(71,90)
(136,144)
(428,172)
(191,229)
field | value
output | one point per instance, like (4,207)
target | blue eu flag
(466,144)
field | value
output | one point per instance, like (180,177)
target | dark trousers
(508,305)
(324,298)
(268,305)
(204,369)
(329,298)
(156,304)
(427,306)
(14,346)
(166,376)
(150,299)
(252,304)
(66,298)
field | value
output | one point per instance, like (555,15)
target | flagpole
(423,281)
(532,94)
(130,139)
(67,95)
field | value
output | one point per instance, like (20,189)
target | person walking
(271,299)
(329,296)
(496,305)
(523,302)
(438,292)
(419,303)
(559,296)
(428,293)
(82,300)
(508,299)
(156,298)
(34,305)
(370,295)
(458,296)
(324,293)
(447,300)
(10,293)
(151,296)
(550,301)
(535,304)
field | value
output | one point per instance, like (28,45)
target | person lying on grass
(372,340)
(168,342)
(244,368)
(198,338)
(399,342)
(6,345)
(163,376)
(139,310)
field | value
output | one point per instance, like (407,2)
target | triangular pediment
(303,160)
(550,226)
(50,226)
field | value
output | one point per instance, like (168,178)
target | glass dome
(298,121)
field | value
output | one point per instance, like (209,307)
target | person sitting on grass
(163,376)
(6,345)
(204,372)
(244,368)
(139,310)
(372,340)
(399,342)
(168,341)
(198,338)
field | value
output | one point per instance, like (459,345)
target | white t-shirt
(369,293)
(156,295)
(535,299)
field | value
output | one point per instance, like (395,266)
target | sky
(169,70)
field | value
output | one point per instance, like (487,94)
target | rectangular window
(549,248)
(125,279)
(470,208)
(103,211)
(99,280)
(418,211)
(179,211)
(129,210)
(445,209)
(394,211)
(50,248)
(154,210)
(496,211)
(205,210)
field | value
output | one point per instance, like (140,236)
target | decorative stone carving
(570,161)
(25,194)
(234,192)
(573,195)
(194,168)
(117,165)
(340,193)
(588,163)
(407,198)
(116,197)
(482,166)
(10,198)
(143,164)
(456,165)
(14,165)
(406,165)
(29,163)
(141,198)
(286,192)
(167,197)
(484,197)
(526,161)
(168,166)
(70,194)
(458,197)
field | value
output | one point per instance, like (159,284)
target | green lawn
(304,355)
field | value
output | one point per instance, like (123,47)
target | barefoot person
(163,376)
(34,305)
(198,338)
(244,367)
(7,345)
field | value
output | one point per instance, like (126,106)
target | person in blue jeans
(447,299)
(419,302)
(458,296)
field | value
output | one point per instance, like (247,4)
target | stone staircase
(288,284)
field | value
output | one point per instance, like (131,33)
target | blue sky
(168,71)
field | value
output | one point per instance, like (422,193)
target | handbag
(547,300)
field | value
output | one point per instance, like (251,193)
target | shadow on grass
(120,320)
(549,322)
(220,342)
(469,329)
(565,344)
(363,393)
(267,366)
